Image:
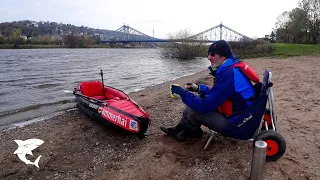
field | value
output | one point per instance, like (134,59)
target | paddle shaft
(104,94)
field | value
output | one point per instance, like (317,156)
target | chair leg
(209,140)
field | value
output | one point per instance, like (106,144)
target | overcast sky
(253,18)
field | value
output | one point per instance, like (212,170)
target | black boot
(197,133)
(178,132)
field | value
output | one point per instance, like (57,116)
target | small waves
(18,80)
(129,78)
(44,86)
(3,93)
(139,89)
(34,107)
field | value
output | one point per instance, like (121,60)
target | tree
(281,27)
(71,40)
(312,9)
(301,25)
(97,39)
(282,20)
(46,40)
(85,41)
(182,46)
(16,37)
(272,37)
(298,25)
(1,40)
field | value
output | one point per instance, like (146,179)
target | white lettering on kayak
(115,118)
(94,106)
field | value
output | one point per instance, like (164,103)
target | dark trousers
(192,120)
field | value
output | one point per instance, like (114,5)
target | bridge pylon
(220,32)
(130,34)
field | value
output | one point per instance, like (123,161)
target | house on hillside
(32,23)
(24,37)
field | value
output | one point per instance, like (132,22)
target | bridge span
(127,34)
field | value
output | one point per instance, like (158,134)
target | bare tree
(282,20)
(182,47)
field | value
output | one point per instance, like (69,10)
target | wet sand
(76,147)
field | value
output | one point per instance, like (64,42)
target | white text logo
(245,120)
(115,118)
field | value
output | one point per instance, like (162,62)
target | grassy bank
(282,50)
(287,50)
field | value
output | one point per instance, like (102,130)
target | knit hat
(220,47)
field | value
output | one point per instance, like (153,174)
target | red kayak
(111,105)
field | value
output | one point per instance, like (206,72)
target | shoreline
(76,147)
(35,120)
(54,114)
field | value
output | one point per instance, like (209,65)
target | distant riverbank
(29,46)
(33,46)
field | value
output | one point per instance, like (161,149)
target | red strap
(248,71)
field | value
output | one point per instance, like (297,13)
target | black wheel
(267,118)
(141,135)
(276,145)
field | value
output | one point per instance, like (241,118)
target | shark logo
(26,147)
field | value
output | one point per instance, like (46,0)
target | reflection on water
(32,80)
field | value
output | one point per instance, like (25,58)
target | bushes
(251,49)
(183,50)
(181,47)
(242,49)
(78,41)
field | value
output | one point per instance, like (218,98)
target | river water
(32,81)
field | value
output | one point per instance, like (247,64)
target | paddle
(104,94)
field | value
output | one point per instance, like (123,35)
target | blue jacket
(230,84)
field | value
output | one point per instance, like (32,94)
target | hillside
(18,34)
(33,29)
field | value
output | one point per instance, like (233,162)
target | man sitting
(218,106)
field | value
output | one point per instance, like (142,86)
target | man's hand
(176,89)
(192,87)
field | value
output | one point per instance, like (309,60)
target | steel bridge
(127,34)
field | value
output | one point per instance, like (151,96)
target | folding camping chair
(263,125)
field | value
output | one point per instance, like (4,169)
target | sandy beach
(76,147)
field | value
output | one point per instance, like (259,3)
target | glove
(212,70)
(192,87)
(176,89)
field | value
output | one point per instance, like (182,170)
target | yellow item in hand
(171,94)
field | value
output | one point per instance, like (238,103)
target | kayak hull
(111,106)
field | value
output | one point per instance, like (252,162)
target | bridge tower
(220,32)
(131,34)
